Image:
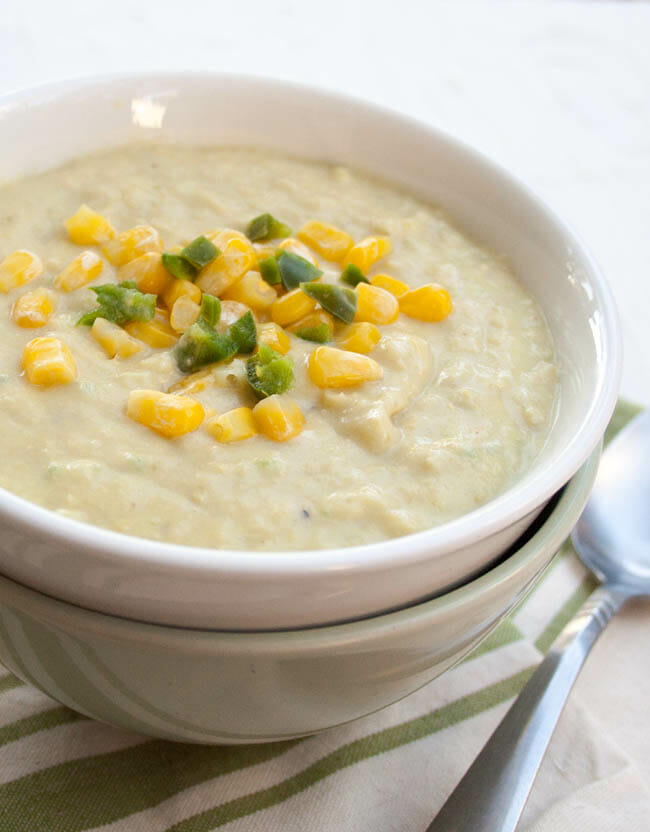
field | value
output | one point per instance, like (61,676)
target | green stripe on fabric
(565,614)
(355,752)
(38,722)
(9,682)
(94,791)
(124,782)
(506,633)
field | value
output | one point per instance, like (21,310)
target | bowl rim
(521,498)
(549,537)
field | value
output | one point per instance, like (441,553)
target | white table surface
(559,92)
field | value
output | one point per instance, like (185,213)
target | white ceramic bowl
(197,587)
(215,687)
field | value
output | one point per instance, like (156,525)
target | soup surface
(462,409)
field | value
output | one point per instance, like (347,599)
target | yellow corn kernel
(48,361)
(34,309)
(178,288)
(113,339)
(193,383)
(375,305)
(362,337)
(132,243)
(252,290)
(320,316)
(278,417)
(213,281)
(367,251)
(84,268)
(390,284)
(148,273)
(273,336)
(86,227)
(330,367)
(233,426)
(296,247)
(166,413)
(18,268)
(236,258)
(263,250)
(156,332)
(292,307)
(426,303)
(231,311)
(184,313)
(330,242)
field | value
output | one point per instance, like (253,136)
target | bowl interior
(485,201)
(46,126)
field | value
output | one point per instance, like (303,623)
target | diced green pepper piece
(338,300)
(200,252)
(319,334)
(352,275)
(266,227)
(268,372)
(244,333)
(200,345)
(191,259)
(121,303)
(210,309)
(178,266)
(270,271)
(295,269)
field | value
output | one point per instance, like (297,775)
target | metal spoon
(613,539)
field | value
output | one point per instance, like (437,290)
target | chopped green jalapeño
(200,345)
(266,227)
(352,275)
(178,266)
(244,333)
(187,263)
(121,303)
(268,372)
(210,309)
(270,271)
(295,269)
(200,252)
(319,334)
(338,300)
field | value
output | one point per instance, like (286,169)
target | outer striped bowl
(215,687)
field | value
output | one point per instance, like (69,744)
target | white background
(559,92)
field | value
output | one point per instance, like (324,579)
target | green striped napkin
(61,772)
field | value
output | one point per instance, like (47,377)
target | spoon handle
(492,794)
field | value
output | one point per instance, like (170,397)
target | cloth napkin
(61,772)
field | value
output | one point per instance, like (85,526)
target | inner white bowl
(235,590)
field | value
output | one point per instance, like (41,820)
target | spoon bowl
(613,534)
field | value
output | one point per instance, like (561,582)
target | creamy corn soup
(368,371)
